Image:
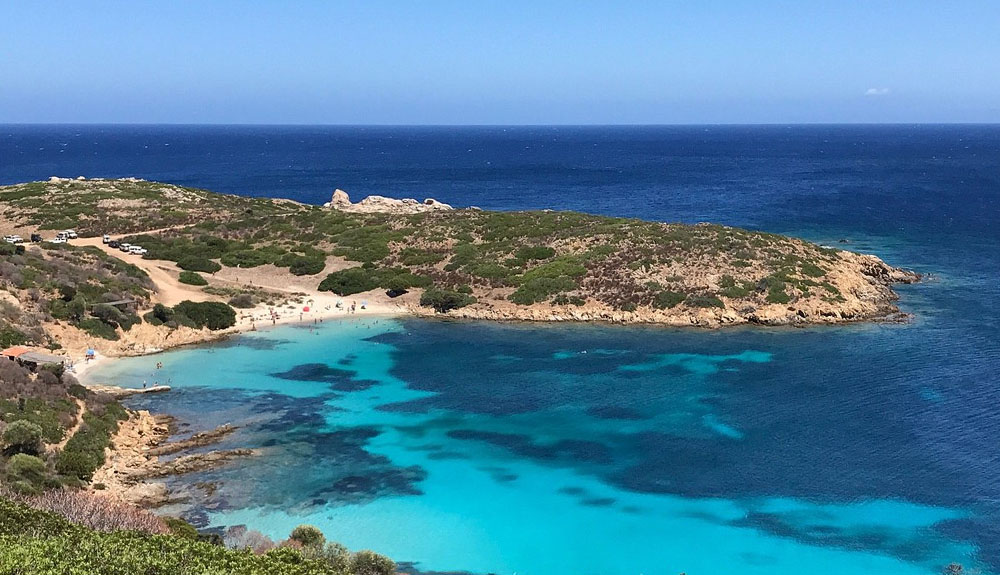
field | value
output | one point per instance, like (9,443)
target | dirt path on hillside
(169,290)
(81,409)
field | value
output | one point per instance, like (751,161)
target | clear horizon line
(489,125)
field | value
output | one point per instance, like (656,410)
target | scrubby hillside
(125,541)
(473,263)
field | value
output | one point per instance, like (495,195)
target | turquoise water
(553,449)
(483,447)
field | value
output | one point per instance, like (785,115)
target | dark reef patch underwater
(544,449)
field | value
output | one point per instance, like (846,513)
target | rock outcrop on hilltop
(383,205)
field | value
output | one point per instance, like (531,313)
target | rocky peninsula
(279,260)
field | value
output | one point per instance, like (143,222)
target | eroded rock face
(340,199)
(383,205)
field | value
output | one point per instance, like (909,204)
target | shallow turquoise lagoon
(542,450)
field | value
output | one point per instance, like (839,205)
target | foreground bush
(34,542)
(94,511)
(25,473)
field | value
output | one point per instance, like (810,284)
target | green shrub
(98,328)
(198,264)
(667,299)
(349,281)
(307,266)
(10,336)
(539,289)
(534,253)
(308,536)
(489,271)
(242,301)
(36,542)
(812,270)
(778,296)
(417,257)
(371,563)
(47,414)
(705,301)
(443,300)
(568,266)
(26,473)
(22,437)
(84,452)
(113,316)
(246,258)
(192,278)
(210,314)
(181,528)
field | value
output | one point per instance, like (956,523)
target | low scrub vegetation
(211,315)
(37,538)
(192,279)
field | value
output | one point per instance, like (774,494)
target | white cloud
(877,92)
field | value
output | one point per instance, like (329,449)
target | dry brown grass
(92,510)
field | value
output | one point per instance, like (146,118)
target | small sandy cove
(302,303)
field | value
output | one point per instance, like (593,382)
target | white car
(124,247)
(13,239)
(137,250)
(58,240)
(106,239)
(70,234)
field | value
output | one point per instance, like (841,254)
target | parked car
(62,236)
(106,239)
(13,239)
(70,234)
(113,244)
(138,250)
(124,246)
(58,240)
(36,238)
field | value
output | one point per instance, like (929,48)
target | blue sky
(510,62)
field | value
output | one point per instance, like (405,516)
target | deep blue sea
(551,449)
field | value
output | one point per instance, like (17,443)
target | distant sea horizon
(502,448)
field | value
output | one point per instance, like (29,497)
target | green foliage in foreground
(36,542)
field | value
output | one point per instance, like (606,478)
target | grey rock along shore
(383,205)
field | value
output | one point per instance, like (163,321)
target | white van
(137,250)
(106,239)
